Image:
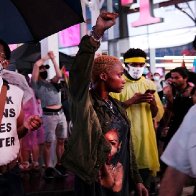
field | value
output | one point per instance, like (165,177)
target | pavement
(36,185)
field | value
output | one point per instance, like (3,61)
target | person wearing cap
(143,105)
(54,121)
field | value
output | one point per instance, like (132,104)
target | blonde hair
(103,63)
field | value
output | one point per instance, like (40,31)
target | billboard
(70,36)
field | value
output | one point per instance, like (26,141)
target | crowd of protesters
(122,119)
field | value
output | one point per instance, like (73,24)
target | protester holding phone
(150,91)
(143,104)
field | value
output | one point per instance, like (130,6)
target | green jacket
(86,150)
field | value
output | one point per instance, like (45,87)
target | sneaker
(61,170)
(49,173)
(25,166)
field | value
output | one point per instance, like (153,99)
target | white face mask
(135,72)
(1,69)
(1,73)
(156,78)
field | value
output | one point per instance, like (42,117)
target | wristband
(95,36)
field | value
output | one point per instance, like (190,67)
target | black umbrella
(25,21)
(23,58)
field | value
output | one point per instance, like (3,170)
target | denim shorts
(55,126)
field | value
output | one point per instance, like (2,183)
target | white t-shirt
(9,142)
(18,80)
(181,150)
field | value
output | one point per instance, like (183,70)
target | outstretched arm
(104,22)
(56,67)
(81,68)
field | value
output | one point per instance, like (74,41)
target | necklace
(112,167)
(180,93)
(109,105)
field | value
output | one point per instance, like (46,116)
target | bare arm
(32,123)
(172,182)
(153,107)
(56,67)
(22,131)
(133,100)
(136,99)
(140,98)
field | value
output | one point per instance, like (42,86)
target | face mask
(156,78)
(1,69)
(146,71)
(43,74)
(135,72)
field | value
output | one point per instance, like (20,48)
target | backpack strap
(2,100)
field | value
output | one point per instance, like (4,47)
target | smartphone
(151,91)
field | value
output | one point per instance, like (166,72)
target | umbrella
(25,21)
(23,58)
